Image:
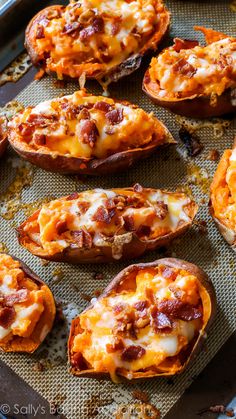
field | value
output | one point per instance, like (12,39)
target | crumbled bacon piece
(169,273)
(115,116)
(73,196)
(40,32)
(161,210)
(25,130)
(191,142)
(78,362)
(119,308)
(7,316)
(143,231)
(83,206)
(184,68)
(160,320)
(84,114)
(89,132)
(102,215)
(110,204)
(129,222)
(82,238)
(132,353)
(40,120)
(61,227)
(184,44)
(117,345)
(180,310)
(103,106)
(96,27)
(17,297)
(141,305)
(138,188)
(72,27)
(39,139)
(115,27)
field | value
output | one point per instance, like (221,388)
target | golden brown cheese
(85,126)
(223,190)
(145,324)
(182,72)
(93,36)
(21,301)
(96,218)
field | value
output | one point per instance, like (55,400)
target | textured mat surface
(170,169)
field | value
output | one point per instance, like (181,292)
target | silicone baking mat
(47,370)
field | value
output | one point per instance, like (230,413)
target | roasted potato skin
(194,350)
(196,106)
(131,250)
(72,165)
(3,135)
(193,107)
(127,67)
(29,345)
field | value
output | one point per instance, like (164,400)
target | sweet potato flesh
(96,36)
(84,126)
(187,69)
(145,324)
(223,190)
(105,218)
(22,304)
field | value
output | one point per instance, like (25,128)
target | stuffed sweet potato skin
(43,326)
(129,65)
(219,180)
(120,278)
(195,106)
(133,249)
(119,160)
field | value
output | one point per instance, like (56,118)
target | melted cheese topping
(199,70)
(99,324)
(223,190)
(124,27)
(56,127)
(27,313)
(131,212)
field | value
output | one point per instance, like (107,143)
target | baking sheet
(171,169)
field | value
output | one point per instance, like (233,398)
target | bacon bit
(141,305)
(72,27)
(74,195)
(78,362)
(110,204)
(143,396)
(132,353)
(129,222)
(39,120)
(25,130)
(102,215)
(17,297)
(161,210)
(150,295)
(213,155)
(169,273)
(115,116)
(103,106)
(161,321)
(184,68)
(184,44)
(191,142)
(84,114)
(40,32)
(143,231)
(96,27)
(89,132)
(109,130)
(61,227)
(82,238)
(117,345)
(137,188)
(39,139)
(180,310)
(115,27)
(119,308)
(7,316)
(98,276)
